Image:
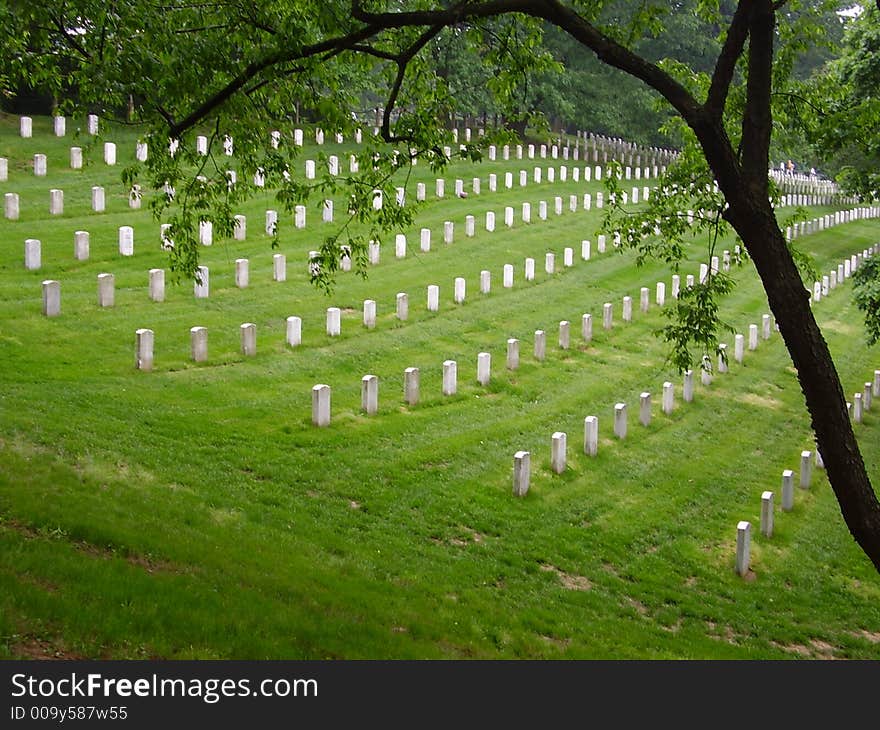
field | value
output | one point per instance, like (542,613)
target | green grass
(195,511)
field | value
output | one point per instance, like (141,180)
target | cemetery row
(33,261)
(602,148)
(321,410)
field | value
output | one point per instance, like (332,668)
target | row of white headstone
(558,449)
(59,125)
(861,401)
(12,205)
(522,459)
(742,563)
(203,142)
(830,220)
(81,246)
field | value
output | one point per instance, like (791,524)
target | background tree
(240,67)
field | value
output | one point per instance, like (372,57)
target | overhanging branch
(725,66)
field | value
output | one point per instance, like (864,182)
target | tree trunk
(789,301)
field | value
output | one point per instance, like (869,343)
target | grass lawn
(195,512)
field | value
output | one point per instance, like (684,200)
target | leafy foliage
(866,292)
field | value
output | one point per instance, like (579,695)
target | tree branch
(402,62)
(757,123)
(612,53)
(71,40)
(273,59)
(606,49)
(726,63)
(378,53)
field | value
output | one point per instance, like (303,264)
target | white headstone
(126,241)
(143,348)
(239,230)
(26,127)
(521,472)
(591,435)
(157,285)
(202,285)
(56,202)
(668,402)
(334,323)
(806,469)
(620,420)
(369,313)
(320,404)
(32,254)
(109,153)
(81,245)
(51,298)
(279,267)
(411,386)
(564,334)
(198,338)
(743,546)
(512,354)
(507,278)
(459,290)
(645,409)
(294,331)
(370,394)
(402,310)
(540,345)
(484,365)
(587,327)
(433,298)
(271,222)
(558,452)
(767,514)
(688,387)
(98,199)
(450,377)
(242,273)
